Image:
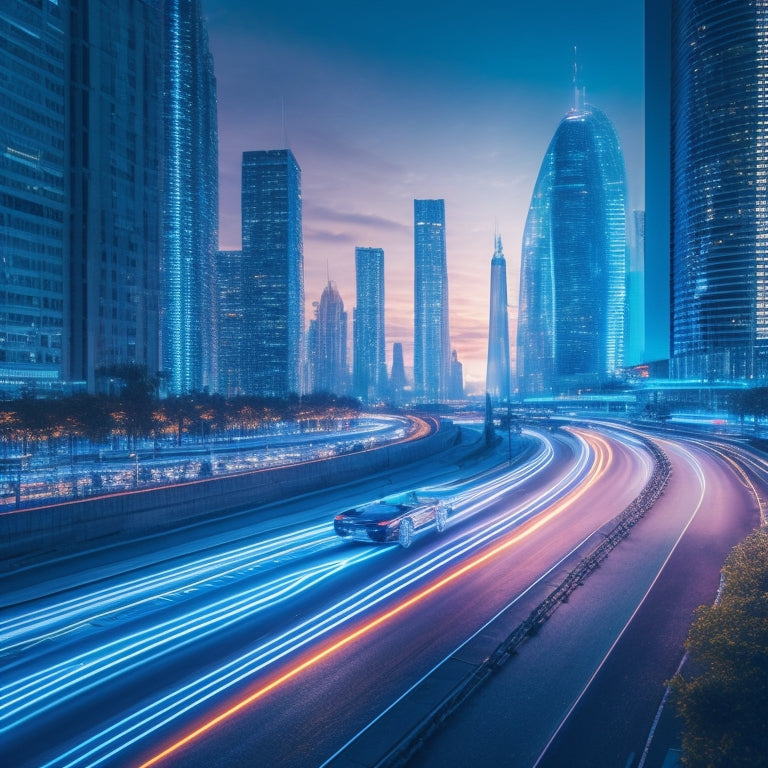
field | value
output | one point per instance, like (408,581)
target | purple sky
(390,102)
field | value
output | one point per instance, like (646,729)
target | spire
(575,81)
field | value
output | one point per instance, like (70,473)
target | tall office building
(656,268)
(328,352)
(635,343)
(33,187)
(369,361)
(190,202)
(397,380)
(229,281)
(273,265)
(115,155)
(719,213)
(497,377)
(431,338)
(572,311)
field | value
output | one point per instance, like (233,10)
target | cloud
(354,219)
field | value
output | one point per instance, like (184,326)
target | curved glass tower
(719,201)
(572,307)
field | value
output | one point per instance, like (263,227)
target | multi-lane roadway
(279,644)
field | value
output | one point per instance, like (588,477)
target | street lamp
(135,457)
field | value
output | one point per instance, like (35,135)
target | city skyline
(492,86)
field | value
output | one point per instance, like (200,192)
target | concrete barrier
(64,526)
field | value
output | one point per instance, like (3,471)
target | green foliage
(724,702)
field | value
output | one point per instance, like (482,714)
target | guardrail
(404,749)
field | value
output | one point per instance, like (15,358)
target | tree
(724,701)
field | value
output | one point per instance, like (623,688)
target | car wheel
(405,535)
(441,518)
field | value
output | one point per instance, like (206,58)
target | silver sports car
(395,518)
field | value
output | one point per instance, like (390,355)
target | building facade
(719,205)
(190,202)
(33,190)
(497,376)
(328,344)
(273,265)
(369,359)
(431,338)
(229,281)
(572,309)
(115,160)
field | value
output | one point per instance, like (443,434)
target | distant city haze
(383,105)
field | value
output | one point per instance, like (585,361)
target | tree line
(722,696)
(133,410)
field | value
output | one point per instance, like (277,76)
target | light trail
(140,724)
(35,626)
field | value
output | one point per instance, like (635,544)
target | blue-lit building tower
(572,307)
(719,205)
(431,338)
(229,281)
(190,202)
(273,269)
(497,376)
(33,192)
(369,371)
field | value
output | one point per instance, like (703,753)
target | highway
(282,643)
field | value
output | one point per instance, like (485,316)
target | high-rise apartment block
(432,346)
(497,377)
(190,202)
(369,361)
(273,268)
(719,205)
(572,308)
(34,280)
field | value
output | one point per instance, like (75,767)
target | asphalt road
(586,690)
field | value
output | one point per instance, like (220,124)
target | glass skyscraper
(190,202)
(369,361)
(229,281)
(497,377)
(431,338)
(719,203)
(572,307)
(328,353)
(33,185)
(273,266)
(115,151)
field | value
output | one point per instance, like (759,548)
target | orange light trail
(603,455)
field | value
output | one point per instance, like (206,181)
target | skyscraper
(397,380)
(719,206)
(573,270)
(115,159)
(273,265)
(369,363)
(497,381)
(329,344)
(33,188)
(431,338)
(229,281)
(190,202)
(656,268)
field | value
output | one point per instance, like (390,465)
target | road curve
(586,690)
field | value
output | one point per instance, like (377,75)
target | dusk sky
(389,102)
